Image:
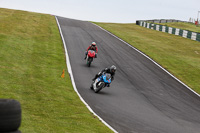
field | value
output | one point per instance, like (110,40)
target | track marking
(149,59)
(73,82)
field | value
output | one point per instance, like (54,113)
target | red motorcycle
(90,56)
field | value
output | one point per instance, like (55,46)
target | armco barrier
(184,33)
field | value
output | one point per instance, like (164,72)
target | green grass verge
(31,63)
(183,26)
(180,56)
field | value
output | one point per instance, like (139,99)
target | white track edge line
(73,82)
(149,59)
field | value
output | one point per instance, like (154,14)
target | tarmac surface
(142,98)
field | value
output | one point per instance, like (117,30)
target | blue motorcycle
(103,81)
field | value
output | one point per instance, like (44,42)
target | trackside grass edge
(31,63)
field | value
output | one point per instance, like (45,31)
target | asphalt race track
(143,98)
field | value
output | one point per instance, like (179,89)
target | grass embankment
(31,63)
(180,56)
(183,26)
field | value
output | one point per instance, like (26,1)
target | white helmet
(93,43)
(113,68)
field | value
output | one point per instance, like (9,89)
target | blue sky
(118,11)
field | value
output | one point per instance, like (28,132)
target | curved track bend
(143,98)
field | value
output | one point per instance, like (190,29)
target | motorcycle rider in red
(93,46)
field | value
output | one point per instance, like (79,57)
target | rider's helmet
(94,44)
(113,68)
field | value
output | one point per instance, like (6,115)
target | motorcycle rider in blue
(110,70)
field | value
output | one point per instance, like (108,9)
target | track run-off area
(143,98)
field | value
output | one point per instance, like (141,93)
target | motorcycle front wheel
(99,86)
(89,61)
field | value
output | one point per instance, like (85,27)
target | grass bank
(31,63)
(180,56)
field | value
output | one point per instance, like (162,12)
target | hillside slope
(32,61)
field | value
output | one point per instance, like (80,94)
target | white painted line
(73,82)
(150,59)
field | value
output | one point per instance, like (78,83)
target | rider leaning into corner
(110,70)
(93,46)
